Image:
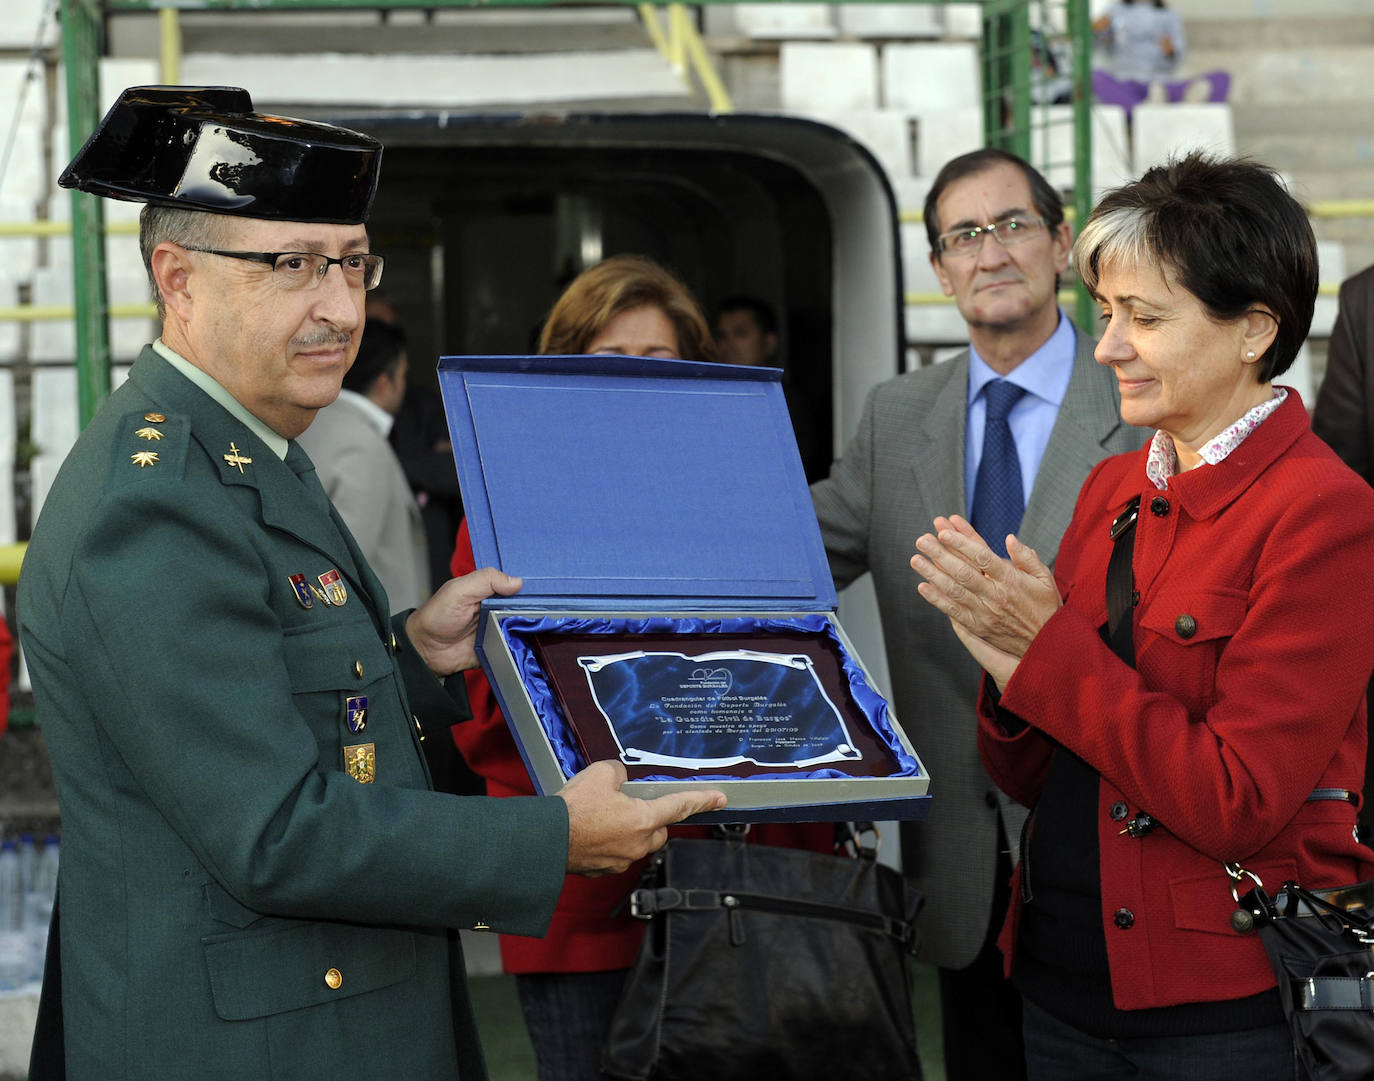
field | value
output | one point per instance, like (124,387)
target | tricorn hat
(203,148)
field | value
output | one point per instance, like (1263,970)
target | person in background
(257,879)
(1184,689)
(360,472)
(1344,416)
(1145,43)
(569,981)
(746,331)
(1015,423)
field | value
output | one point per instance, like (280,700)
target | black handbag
(768,962)
(1321,944)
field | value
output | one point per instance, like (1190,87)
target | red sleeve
(485,741)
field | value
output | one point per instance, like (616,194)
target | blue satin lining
(515,628)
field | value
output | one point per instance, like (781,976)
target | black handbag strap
(647,903)
(1121,596)
(1336,993)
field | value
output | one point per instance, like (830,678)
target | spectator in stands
(929,440)
(360,472)
(1187,687)
(1145,44)
(570,980)
(1344,417)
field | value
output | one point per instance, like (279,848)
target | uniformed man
(257,880)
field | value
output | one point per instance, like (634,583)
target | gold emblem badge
(148,433)
(331,581)
(144,458)
(155,418)
(236,458)
(360,761)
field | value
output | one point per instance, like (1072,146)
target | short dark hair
(1048,203)
(1229,231)
(762,312)
(379,353)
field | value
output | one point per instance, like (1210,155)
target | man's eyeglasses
(305,269)
(1007,231)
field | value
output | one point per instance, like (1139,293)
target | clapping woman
(1187,686)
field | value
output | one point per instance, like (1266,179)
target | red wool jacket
(1253,653)
(592,929)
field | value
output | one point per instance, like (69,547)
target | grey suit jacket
(365,482)
(905,466)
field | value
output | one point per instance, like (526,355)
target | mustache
(323,337)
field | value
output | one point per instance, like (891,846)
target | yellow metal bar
(169,25)
(678,26)
(1065,295)
(1342,208)
(1325,208)
(648,14)
(11,557)
(61,228)
(35,313)
(711,81)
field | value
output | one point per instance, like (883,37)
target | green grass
(509,1057)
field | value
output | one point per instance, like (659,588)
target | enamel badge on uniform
(155,418)
(331,581)
(356,708)
(302,588)
(360,762)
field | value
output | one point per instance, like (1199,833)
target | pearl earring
(1249,354)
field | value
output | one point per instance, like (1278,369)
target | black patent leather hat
(203,148)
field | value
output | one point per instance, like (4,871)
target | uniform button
(1119,810)
(418,730)
(1186,626)
(358,669)
(393,644)
(990,798)
(1124,918)
(334,979)
(1159,506)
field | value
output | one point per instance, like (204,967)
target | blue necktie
(998,501)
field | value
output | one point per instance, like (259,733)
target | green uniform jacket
(234,903)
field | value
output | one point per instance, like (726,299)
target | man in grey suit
(998,244)
(360,471)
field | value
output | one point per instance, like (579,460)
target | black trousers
(980,1009)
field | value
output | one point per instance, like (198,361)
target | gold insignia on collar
(155,418)
(360,761)
(148,433)
(144,458)
(236,458)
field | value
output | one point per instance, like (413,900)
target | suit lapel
(1088,417)
(937,436)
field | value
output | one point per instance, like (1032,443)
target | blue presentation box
(651,501)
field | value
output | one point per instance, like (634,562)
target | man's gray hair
(189,228)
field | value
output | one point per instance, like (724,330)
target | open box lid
(673,483)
